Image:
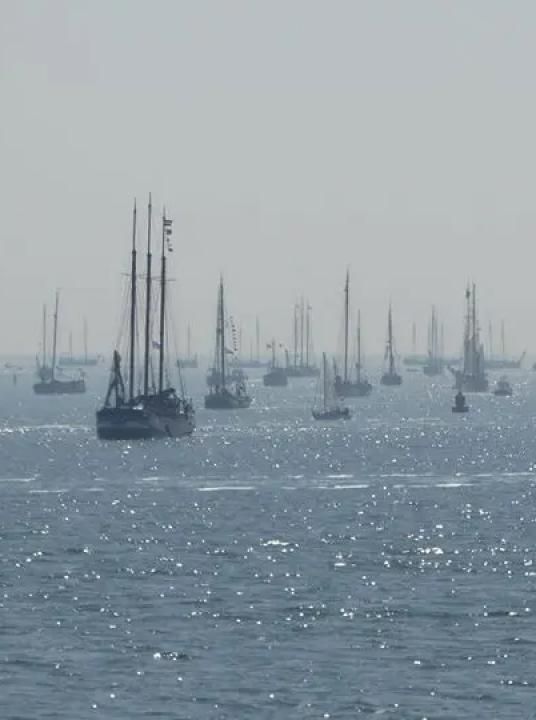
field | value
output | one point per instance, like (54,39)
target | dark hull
(60,387)
(391,379)
(350,389)
(470,383)
(503,393)
(463,409)
(335,414)
(226,401)
(141,424)
(276,378)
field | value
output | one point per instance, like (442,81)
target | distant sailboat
(190,361)
(472,376)
(390,377)
(503,362)
(254,361)
(434,364)
(222,394)
(85,360)
(276,375)
(302,365)
(345,386)
(48,383)
(155,411)
(329,408)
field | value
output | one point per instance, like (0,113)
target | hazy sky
(288,139)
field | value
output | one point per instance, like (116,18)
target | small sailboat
(48,383)
(330,408)
(345,386)
(223,394)
(503,388)
(460,403)
(155,411)
(276,375)
(390,377)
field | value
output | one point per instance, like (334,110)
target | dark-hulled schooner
(224,394)
(155,411)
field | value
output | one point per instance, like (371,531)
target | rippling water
(270,566)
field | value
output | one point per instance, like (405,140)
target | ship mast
(301,331)
(166,226)
(44,335)
(55,336)
(258,338)
(325,364)
(295,334)
(85,341)
(346,302)
(307,333)
(133,280)
(147,304)
(358,366)
(221,324)
(390,341)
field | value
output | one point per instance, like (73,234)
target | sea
(270,566)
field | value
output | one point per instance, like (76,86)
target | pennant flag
(156,345)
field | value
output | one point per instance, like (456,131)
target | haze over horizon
(288,141)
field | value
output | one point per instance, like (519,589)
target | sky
(288,140)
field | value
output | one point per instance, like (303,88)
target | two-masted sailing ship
(345,385)
(224,392)
(276,375)
(329,407)
(157,410)
(49,383)
(390,376)
(472,376)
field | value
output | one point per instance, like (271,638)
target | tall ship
(345,385)
(189,361)
(471,377)
(224,392)
(156,409)
(49,383)
(71,360)
(390,376)
(302,364)
(276,375)
(434,364)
